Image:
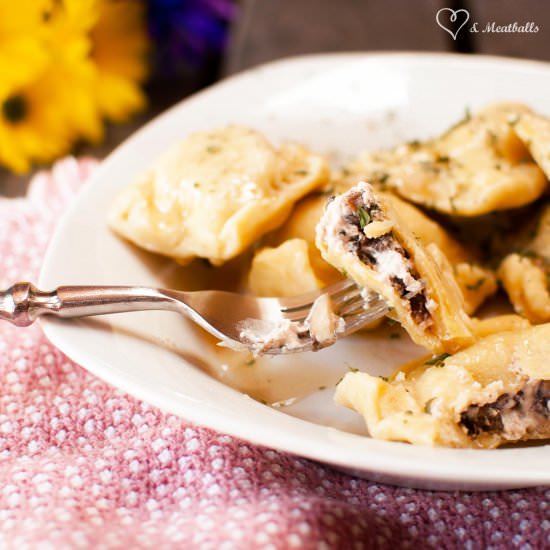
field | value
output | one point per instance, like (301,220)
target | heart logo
(448,21)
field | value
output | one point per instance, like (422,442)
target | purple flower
(188,32)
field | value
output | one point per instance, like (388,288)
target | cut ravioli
(477,167)
(495,392)
(475,281)
(525,276)
(215,193)
(364,235)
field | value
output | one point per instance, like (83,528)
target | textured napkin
(83,465)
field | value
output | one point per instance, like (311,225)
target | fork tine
(344,293)
(306,301)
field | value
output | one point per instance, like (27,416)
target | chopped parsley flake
(213,149)
(301,172)
(437,360)
(428,405)
(395,336)
(350,368)
(364,217)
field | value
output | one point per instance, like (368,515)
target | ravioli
(495,392)
(215,193)
(479,166)
(534,131)
(292,264)
(285,270)
(525,275)
(362,234)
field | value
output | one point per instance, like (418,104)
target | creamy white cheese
(322,323)
(393,264)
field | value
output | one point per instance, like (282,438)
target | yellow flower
(119,50)
(32,118)
(69,44)
(21,31)
(117,45)
(64,65)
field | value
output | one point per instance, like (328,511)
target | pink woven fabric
(83,465)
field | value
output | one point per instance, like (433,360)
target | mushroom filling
(512,415)
(384,253)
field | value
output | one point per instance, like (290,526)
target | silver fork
(220,313)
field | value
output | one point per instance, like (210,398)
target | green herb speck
(395,336)
(428,405)
(350,368)
(364,217)
(437,360)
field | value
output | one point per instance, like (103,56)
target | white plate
(338,104)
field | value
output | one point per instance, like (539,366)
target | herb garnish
(213,149)
(350,368)
(364,217)
(437,360)
(301,172)
(428,405)
(395,336)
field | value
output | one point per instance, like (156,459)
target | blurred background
(79,76)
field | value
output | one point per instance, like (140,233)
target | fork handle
(22,303)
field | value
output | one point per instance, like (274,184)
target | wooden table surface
(270,29)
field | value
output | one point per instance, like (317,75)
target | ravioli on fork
(362,234)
